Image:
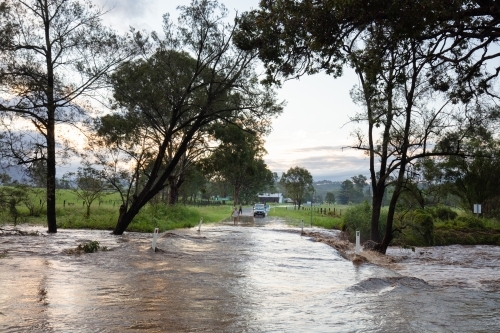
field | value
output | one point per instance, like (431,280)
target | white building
(271,197)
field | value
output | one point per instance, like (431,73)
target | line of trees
(190,105)
(170,100)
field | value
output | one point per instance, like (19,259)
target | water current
(255,277)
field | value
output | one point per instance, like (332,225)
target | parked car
(259,210)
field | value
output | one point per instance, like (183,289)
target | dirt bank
(348,250)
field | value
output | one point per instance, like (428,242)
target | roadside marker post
(155,237)
(199,226)
(358,245)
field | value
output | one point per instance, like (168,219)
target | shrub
(471,222)
(89,247)
(444,213)
(423,224)
(417,228)
(358,217)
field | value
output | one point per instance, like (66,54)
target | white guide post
(155,237)
(358,245)
(199,226)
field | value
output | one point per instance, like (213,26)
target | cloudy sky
(314,126)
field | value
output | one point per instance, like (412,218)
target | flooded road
(255,277)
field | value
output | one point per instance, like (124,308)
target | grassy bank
(426,227)
(420,228)
(71,214)
(326,216)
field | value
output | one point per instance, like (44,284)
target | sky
(314,127)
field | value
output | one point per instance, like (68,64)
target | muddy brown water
(259,276)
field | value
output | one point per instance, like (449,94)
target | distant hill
(327,185)
(324,186)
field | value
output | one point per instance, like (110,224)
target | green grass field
(71,214)
(330,216)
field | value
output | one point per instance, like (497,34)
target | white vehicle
(259,210)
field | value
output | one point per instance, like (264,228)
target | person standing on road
(240,211)
(235,215)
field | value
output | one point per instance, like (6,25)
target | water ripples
(239,279)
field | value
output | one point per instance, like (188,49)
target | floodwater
(255,277)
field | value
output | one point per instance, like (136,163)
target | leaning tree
(189,80)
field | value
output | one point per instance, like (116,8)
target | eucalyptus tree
(89,185)
(298,183)
(238,161)
(401,64)
(183,84)
(54,56)
(474,179)
(346,192)
(194,183)
(330,198)
(466,31)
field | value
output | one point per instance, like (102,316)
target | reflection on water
(261,277)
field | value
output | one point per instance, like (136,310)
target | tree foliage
(298,183)
(330,198)
(183,84)
(89,184)
(238,160)
(404,54)
(474,179)
(351,190)
(304,37)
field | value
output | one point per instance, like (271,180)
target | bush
(417,228)
(358,217)
(423,225)
(471,222)
(89,247)
(444,213)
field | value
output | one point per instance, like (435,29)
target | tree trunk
(51,177)
(174,186)
(51,167)
(172,191)
(50,135)
(390,216)
(156,182)
(126,217)
(236,194)
(401,174)
(376,208)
